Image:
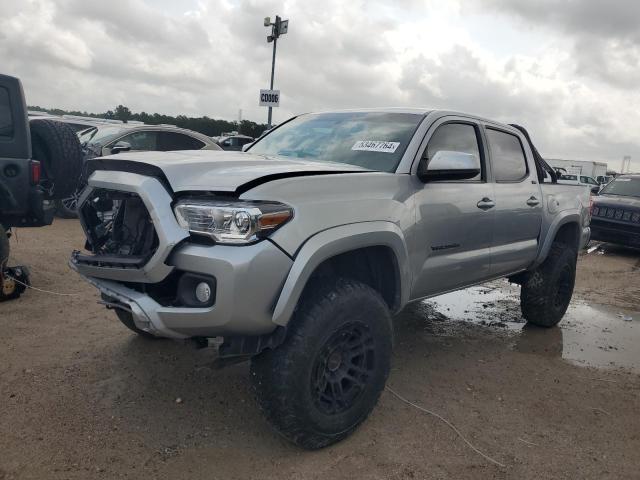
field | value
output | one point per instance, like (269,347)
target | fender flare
(332,242)
(562,219)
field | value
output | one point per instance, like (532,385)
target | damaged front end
(130,228)
(119,230)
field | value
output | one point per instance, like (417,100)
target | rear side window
(170,141)
(6,120)
(455,137)
(507,157)
(146,141)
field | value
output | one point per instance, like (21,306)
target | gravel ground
(82,397)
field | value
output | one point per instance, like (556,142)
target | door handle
(533,201)
(486,203)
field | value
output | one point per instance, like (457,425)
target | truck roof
(416,111)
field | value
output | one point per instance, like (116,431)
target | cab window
(508,161)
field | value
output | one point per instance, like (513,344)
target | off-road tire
(127,320)
(296,384)
(546,292)
(55,145)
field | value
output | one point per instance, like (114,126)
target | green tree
(122,113)
(208,126)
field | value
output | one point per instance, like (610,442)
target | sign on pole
(269,98)
(283,27)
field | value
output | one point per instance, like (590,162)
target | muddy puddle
(589,334)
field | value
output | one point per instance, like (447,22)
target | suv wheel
(56,146)
(327,376)
(546,292)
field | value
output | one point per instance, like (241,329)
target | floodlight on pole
(279,27)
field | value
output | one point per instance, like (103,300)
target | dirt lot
(81,397)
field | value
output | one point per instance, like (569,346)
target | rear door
(15,147)
(518,210)
(454,219)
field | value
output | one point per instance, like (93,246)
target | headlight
(230,221)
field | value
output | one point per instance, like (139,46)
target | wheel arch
(372,252)
(566,228)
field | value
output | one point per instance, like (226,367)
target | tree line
(205,125)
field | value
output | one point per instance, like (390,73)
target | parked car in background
(110,139)
(570,179)
(234,142)
(616,212)
(579,167)
(76,122)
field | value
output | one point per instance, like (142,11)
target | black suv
(615,212)
(39,163)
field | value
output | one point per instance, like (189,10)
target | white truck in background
(584,168)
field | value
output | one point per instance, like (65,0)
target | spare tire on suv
(56,146)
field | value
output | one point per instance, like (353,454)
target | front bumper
(616,232)
(248,282)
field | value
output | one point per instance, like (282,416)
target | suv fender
(332,242)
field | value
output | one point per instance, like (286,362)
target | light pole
(279,27)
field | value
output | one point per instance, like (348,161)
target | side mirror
(246,146)
(120,147)
(449,165)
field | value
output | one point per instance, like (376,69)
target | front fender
(335,241)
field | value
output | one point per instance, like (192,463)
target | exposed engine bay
(119,230)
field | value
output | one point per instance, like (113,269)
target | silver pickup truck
(299,252)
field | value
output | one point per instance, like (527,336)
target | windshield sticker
(375,146)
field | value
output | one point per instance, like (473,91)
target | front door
(452,239)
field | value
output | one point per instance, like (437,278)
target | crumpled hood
(214,170)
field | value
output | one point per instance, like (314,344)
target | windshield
(99,134)
(627,186)
(371,140)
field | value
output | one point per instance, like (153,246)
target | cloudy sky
(568,70)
